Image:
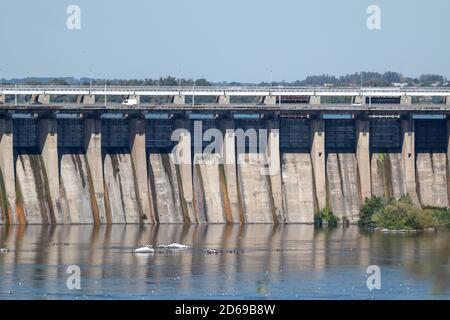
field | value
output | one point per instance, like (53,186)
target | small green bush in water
(442,215)
(371,206)
(402,214)
(325,215)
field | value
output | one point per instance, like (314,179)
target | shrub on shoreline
(371,206)
(402,214)
(325,216)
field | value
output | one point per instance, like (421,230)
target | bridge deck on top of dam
(21,97)
(224,90)
(337,107)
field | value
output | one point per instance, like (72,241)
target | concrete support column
(184,161)
(139,158)
(405,100)
(40,98)
(93,149)
(229,165)
(447,100)
(318,161)
(86,99)
(314,99)
(223,99)
(2,99)
(48,144)
(179,99)
(7,170)
(408,157)
(274,169)
(269,100)
(359,100)
(363,157)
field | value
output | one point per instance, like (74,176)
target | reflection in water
(258,262)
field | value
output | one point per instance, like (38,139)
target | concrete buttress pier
(229,165)
(363,157)
(358,100)
(223,99)
(178,99)
(40,98)
(318,161)
(406,100)
(184,163)
(48,145)
(93,149)
(314,100)
(274,169)
(7,169)
(86,99)
(139,158)
(269,100)
(408,158)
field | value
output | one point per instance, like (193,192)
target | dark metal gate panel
(70,133)
(115,133)
(430,135)
(248,124)
(295,134)
(158,133)
(25,133)
(385,135)
(206,124)
(340,135)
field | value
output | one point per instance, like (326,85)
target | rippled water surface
(257,262)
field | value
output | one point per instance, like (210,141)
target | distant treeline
(373,79)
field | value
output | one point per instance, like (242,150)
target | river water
(257,262)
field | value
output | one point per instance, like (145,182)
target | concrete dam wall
(122,171)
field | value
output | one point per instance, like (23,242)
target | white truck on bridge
(130,102)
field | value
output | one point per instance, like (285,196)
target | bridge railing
(223,90)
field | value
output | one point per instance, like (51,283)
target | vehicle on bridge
(130,102)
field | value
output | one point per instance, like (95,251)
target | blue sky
(241,40)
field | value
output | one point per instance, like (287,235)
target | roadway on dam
(229,107)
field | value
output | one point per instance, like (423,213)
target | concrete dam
(98,163)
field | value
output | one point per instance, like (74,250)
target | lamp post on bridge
(193,92)
(279,97)
(193,95)
(271,79)
(90,81)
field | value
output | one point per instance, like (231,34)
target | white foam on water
(144,249)
(174,246)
